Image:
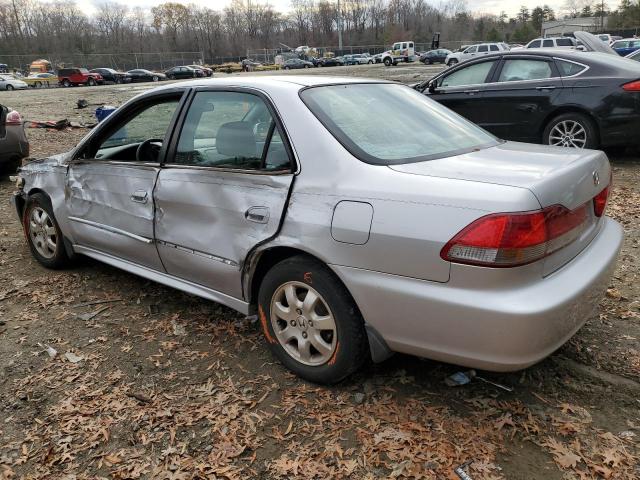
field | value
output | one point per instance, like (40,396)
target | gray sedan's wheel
(452,62)
(303,324)
(573,130)
(43,233)
(155,78)
(310,321)
(10,87)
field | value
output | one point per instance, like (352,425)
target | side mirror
(432,87)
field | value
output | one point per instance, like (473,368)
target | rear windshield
(389,124)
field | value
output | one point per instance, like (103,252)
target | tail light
(600,201)
(512,239)
(632,86)
(13,118)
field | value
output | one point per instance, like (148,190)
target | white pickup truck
(400,52)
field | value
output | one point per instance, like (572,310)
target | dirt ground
(148,382)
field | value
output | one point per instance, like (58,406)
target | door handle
(257,214)
(471,92)
(139,196)
(547,87)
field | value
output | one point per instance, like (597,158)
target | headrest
(236,139)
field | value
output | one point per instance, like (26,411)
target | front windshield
(386,124)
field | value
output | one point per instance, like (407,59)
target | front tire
(66,83)
(387,62)
(571,129)
(91,82)
(155,78)
(43,233)
(310,322)
(452,62)
(9,88)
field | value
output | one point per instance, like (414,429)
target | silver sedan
(355,218)
(9,82)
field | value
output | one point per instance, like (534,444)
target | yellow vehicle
(39,80)
(40,66)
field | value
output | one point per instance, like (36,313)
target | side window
(483,48)
(493,48)
(410,44)
(517,70)
(151,123)
(471,75)
(547,44)
(564,42)
(231,130)
(471,49)
(534,44)
(568,69)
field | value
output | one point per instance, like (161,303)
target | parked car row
(74,76)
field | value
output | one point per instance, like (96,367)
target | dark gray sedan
(14,145)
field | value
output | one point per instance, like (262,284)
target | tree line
(61,27)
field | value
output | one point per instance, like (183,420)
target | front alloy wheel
(303,324)
(42,233)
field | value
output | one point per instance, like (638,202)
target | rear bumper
(502,328)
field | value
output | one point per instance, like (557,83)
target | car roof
(295,82)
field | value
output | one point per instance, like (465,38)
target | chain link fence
(119,61)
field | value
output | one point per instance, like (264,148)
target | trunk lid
(555,175)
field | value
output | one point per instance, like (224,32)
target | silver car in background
(9,82)
(292,198)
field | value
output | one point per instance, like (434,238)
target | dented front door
(110,208)
(223,189)
(109,189)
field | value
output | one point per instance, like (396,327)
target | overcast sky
(480,6)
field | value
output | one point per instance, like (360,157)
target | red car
(78,76)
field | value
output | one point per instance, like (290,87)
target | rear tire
(571,129)
(332,322)
(91,82)
(43,233)
(10,87)
(66,83)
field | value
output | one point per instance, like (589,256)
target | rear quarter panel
(414,215)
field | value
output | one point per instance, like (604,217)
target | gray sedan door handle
(139,196)
(471,92)
(257,214)
(548,87)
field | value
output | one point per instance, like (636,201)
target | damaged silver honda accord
(356,218)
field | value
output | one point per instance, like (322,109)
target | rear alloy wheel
(310,321)
(573,130)
(43,233)
(92,82)
(155,78)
